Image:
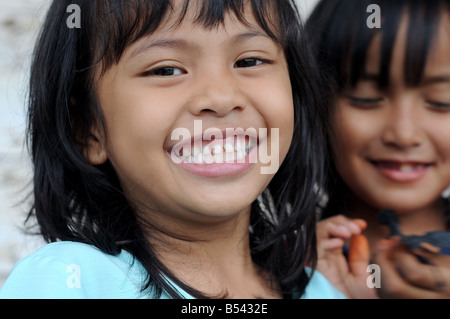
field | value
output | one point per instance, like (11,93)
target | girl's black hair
(340,38)
(76,201)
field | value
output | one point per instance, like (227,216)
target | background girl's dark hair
(75,201)
(340,39)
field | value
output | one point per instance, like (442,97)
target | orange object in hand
(359,249)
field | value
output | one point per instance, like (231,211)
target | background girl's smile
(391,144)
(401,171)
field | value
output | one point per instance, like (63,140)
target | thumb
(359,255)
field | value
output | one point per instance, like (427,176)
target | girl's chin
(227,205)
(403,204)
(206,215)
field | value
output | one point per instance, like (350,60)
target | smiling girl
(125,219)
(389,135)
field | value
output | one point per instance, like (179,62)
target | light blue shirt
(75,270)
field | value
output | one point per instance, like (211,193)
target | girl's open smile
(216,152)
(401,171)
(216,157)
(214,146)
(233,77)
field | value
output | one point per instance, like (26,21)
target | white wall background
(19,24)
(305,6)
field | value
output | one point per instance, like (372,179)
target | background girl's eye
(249,62)
(364,102)
(165,71)
(439,105)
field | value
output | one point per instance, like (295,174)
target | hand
(403,275)
(349,276)
(332,232)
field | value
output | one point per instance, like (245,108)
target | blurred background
(20,21)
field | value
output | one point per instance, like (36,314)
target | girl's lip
(216,170)
(402,171)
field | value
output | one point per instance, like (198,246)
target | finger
(327,229)
(331,244)
(340,226)
(392,284)
(439,269)
(429,247)
(434,258)
(359,255)
(356,226)
(414,271)
(433,274)
(393,281)
(362,224)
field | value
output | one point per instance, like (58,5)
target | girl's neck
(415,222)
(217,260)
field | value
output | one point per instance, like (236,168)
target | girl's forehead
(408,54)
(188,32)
(193,14)
(439,55)
(121,25)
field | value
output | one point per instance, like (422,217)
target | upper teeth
(406,168)
(216,152)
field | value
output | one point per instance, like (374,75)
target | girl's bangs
(121,23)
(423,21)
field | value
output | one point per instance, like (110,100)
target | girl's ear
(95,148)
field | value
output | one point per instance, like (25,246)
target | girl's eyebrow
(184,45)
(248,35)
(165,43)
(436,79)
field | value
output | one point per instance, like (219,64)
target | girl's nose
(218,94)
(402,129)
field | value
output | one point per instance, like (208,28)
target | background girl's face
(392,146)
(230,76)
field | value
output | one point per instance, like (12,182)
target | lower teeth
(230,157)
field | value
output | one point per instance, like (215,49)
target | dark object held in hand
(439,239)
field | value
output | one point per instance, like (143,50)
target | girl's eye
(364,102)
(439,105)
(250,62)
(165,71)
